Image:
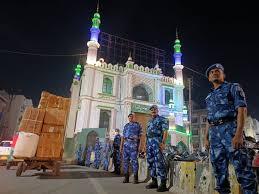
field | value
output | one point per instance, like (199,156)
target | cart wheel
(56,169)
(19,169)
(24,166)
(8,165)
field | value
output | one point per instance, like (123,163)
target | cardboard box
(55,116)
(50,145)
(48,100)
(52,128)
(32,120)
(34,114)
(44,99)
(64,103)
(30,126)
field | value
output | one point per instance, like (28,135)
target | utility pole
(190,105)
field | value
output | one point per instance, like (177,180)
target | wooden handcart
(37,163)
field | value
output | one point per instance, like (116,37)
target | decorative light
(182,133)
(78,72)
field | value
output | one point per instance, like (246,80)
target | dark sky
(210,32)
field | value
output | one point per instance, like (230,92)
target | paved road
(73,180)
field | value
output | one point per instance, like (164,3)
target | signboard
(140,108)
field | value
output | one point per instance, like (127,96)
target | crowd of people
(102,154)
(126,148)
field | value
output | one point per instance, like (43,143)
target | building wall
(71,122)
(120,103)
(13,111)
(256,128)
(250,128)
(4,104)
(198,122)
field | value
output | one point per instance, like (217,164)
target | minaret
(178,60)
(88,78)
(75,89)
(178,92)
(93,44)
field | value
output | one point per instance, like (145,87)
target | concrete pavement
(72,180)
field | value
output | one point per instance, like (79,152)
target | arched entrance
(142,92)
(91,137)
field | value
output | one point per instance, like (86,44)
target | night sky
(210,32)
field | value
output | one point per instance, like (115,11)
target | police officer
(106,153)
(88,155)
(97,153)
(116,151)
(79,153)
(130,144)
(157,128)
(226,105)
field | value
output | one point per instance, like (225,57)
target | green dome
(97,15)
(177,41)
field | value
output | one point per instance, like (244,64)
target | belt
(153,135)
(131,139)
(221,121)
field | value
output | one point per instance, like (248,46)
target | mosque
(103,94)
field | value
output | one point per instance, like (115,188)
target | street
(72,180)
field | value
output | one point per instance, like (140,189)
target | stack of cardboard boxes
(48,121)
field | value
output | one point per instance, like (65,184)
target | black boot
(162,187)
(118,172)
(126,178)
(153,184)
(135,179)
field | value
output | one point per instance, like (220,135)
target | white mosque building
(105,93)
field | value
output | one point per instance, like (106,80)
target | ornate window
(140,93)
(104,121)
(107,85)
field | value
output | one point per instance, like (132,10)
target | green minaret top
(97,18)
(177,44)
(78,72)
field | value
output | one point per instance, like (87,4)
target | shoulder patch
(208,96)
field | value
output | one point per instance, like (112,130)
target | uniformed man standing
(106,153)
(79,153)
(88,156)
(97,153)
(226,105)
(130,145)
(156,137)
(116,151)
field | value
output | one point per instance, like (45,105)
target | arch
(105,116)
(91,137)
(142,92)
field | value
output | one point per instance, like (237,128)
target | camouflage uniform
(116,153)
(131,134)
(106,152)
(97,153)
(222,104)
(88,156)
(155,159)
(79,153)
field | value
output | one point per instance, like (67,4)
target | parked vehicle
(5,150)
